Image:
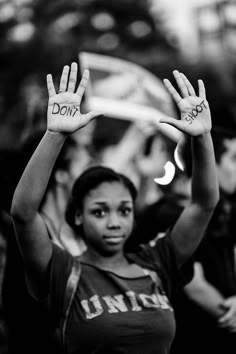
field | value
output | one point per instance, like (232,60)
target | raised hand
(228,320)
(64,114)
(195,113)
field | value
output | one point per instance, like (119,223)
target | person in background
(156,217)
(11,169)
(132,292)
(20,314)
(209,300)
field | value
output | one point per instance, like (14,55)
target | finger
(189,86)
(176,96)
(174,122)
(201,89)
(83,84)
(225,318)
(226,324)
(181,83)
(88,117)
(50,86)
(64,78)
(230,323)
(233,326)
(226,321)
(73,77)
(230,302)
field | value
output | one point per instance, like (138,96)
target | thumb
(227,303)
(88,117)
(172,121)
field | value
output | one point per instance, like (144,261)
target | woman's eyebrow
(105,203)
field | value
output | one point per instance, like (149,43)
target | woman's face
(107,218)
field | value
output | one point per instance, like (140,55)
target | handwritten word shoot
(195,112)
(64,110)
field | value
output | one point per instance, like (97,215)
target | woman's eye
(99,212)
(126,211)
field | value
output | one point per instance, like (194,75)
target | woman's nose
(113,220)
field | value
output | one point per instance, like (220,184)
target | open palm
(64,114)
(195,113)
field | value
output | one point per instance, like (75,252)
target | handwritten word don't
(64,110)
(195,112)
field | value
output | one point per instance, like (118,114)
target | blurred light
(230,14)
(108,41)
(22,2)
(177,158)
(103,21)
(22,32)
(230,39)
(24,14)
(168,176)
(140,29)
(209,21)
(7,12)
(67,21)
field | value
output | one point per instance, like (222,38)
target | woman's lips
(114,239)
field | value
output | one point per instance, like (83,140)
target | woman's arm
(209,299)
(63,118)
(204,294)
(196,122)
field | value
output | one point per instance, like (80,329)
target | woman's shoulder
(152,252)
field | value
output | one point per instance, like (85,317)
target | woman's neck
(108,262)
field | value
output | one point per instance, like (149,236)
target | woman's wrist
(55,136)
(202,136)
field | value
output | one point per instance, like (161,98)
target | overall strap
(70,290)
(153,275)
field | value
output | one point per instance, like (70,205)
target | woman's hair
(89,180)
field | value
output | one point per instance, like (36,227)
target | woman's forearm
(33,183)
(192,224)
(207,297)
(205,190)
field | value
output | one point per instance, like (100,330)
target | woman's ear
(78,218)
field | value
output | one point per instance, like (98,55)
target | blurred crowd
(125,29)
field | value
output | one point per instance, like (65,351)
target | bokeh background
(40,36)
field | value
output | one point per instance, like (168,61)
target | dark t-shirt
(114,314)
(216,255)
(216,251)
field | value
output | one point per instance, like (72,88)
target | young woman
(122,302)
